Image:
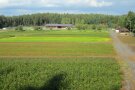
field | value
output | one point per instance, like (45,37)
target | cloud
(54,3)
(14,3)
(3,3)
(16,7)
(90,3)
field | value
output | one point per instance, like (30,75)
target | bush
(78,27)
(94,27)
(19,28)
(82,27)
(69,28)
(38,28)
(99,28)
(11,35)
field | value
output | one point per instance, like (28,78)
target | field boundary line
(58,56)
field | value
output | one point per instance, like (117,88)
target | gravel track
(125,54)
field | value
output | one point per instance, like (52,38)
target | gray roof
(122,29)
(62,25)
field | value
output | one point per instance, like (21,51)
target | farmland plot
(70,60)
(129,40)
(59,74)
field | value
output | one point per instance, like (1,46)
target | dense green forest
(41,19)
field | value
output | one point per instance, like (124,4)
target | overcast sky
(19,7)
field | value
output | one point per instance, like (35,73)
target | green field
(60,74)
(52,43)
(54,39)
(57,33)
(58,60)
(44,49)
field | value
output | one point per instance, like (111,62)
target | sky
(20,7)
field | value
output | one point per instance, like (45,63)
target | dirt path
(126,54)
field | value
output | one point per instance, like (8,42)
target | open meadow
(58,60)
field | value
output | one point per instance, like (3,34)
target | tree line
(80,20)
(129,22)
(53,18)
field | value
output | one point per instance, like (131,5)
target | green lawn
(59,74)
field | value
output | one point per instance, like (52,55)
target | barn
(59,26)
(122,31)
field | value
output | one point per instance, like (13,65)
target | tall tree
(130,21)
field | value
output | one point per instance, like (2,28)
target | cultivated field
(60,74)
(129,40)
(58,60)
(56,43)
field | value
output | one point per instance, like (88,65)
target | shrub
(81,27)
(94,27)
(19,28)
(11,35)
(99,28)
(78,27)
(38,28)
(68,28)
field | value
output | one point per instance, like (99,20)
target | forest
(39,19)
(53,18)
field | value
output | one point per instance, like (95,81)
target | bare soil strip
(58,56)
(127,55)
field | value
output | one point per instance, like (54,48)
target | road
(125,54)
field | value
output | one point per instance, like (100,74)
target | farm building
(122,31)
(59,26)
